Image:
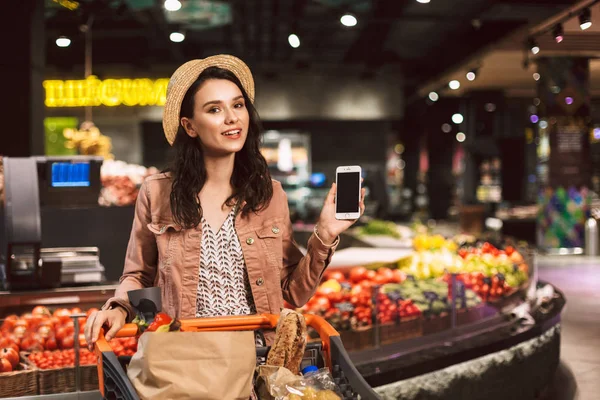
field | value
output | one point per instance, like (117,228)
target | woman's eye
(239,105)
(213,110)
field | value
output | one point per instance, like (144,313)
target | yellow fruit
(333,285)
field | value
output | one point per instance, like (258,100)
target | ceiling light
(569,100)
(460,137)
(490,107)
(585,19)
(172,5)
(454,85)
(472,75)
(294,40)
(177,37)
(423,1)
(543,124)
(558,33)
(433,96)
(446,128)
(536,76)
(63,41)
(348,20)
(534,119)
(457,118)
(533,46)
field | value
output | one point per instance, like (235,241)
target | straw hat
(186,75)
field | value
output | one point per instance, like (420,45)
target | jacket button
(250,240)
(260,281)
(275,230)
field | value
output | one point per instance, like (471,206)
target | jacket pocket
(270,238)
(166,235)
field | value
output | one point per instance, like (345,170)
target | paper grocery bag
(194,365)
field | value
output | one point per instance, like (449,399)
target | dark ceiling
(421,40)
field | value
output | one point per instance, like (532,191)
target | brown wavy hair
(251,180)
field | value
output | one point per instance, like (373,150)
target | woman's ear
(189,127)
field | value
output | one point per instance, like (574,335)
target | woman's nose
(231,116)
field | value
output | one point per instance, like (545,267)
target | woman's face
(220,118)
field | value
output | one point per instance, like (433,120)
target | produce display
(121,182)
(419,285)
(378,227)
(49,338)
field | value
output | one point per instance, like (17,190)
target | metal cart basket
(330,352)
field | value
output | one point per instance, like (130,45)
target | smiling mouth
(232,132)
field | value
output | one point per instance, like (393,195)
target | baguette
(290,341)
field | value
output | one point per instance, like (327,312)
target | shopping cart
(330,353)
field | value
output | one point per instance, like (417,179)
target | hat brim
(187,74)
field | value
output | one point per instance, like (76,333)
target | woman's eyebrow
(219,101)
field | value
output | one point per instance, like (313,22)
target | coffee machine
(29,184)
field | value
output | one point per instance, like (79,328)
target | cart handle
(235,323)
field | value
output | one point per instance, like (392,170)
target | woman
(214,233)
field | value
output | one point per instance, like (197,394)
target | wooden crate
(405,329)
(359,339)
(468,315)
(436,324)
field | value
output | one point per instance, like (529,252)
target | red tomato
(335,297)
(61,333)
(324,291)
(380,280)
(22,322)
(370,275)
(51,344)
(63,314)
(32,343)
(76,310)
(357,274)
(323,303)
(7,342)
(41,310)
(5,365)
(11,355)
(399,276)
(509,250)
(9,323)
(67,342)
(337,275)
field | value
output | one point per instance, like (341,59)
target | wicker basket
(21,382)
(62,380)
(405,329)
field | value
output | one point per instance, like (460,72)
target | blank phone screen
(348,192)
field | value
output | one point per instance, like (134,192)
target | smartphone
(347,196)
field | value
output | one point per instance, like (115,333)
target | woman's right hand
(114,319)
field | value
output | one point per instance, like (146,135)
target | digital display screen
(66,174)
(348,193)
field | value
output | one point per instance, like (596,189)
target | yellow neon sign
(92,92)
(71,5)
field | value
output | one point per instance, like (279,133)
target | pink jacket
(162,254)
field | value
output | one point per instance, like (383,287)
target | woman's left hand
(328,226)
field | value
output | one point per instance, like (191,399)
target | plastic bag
(318,385)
